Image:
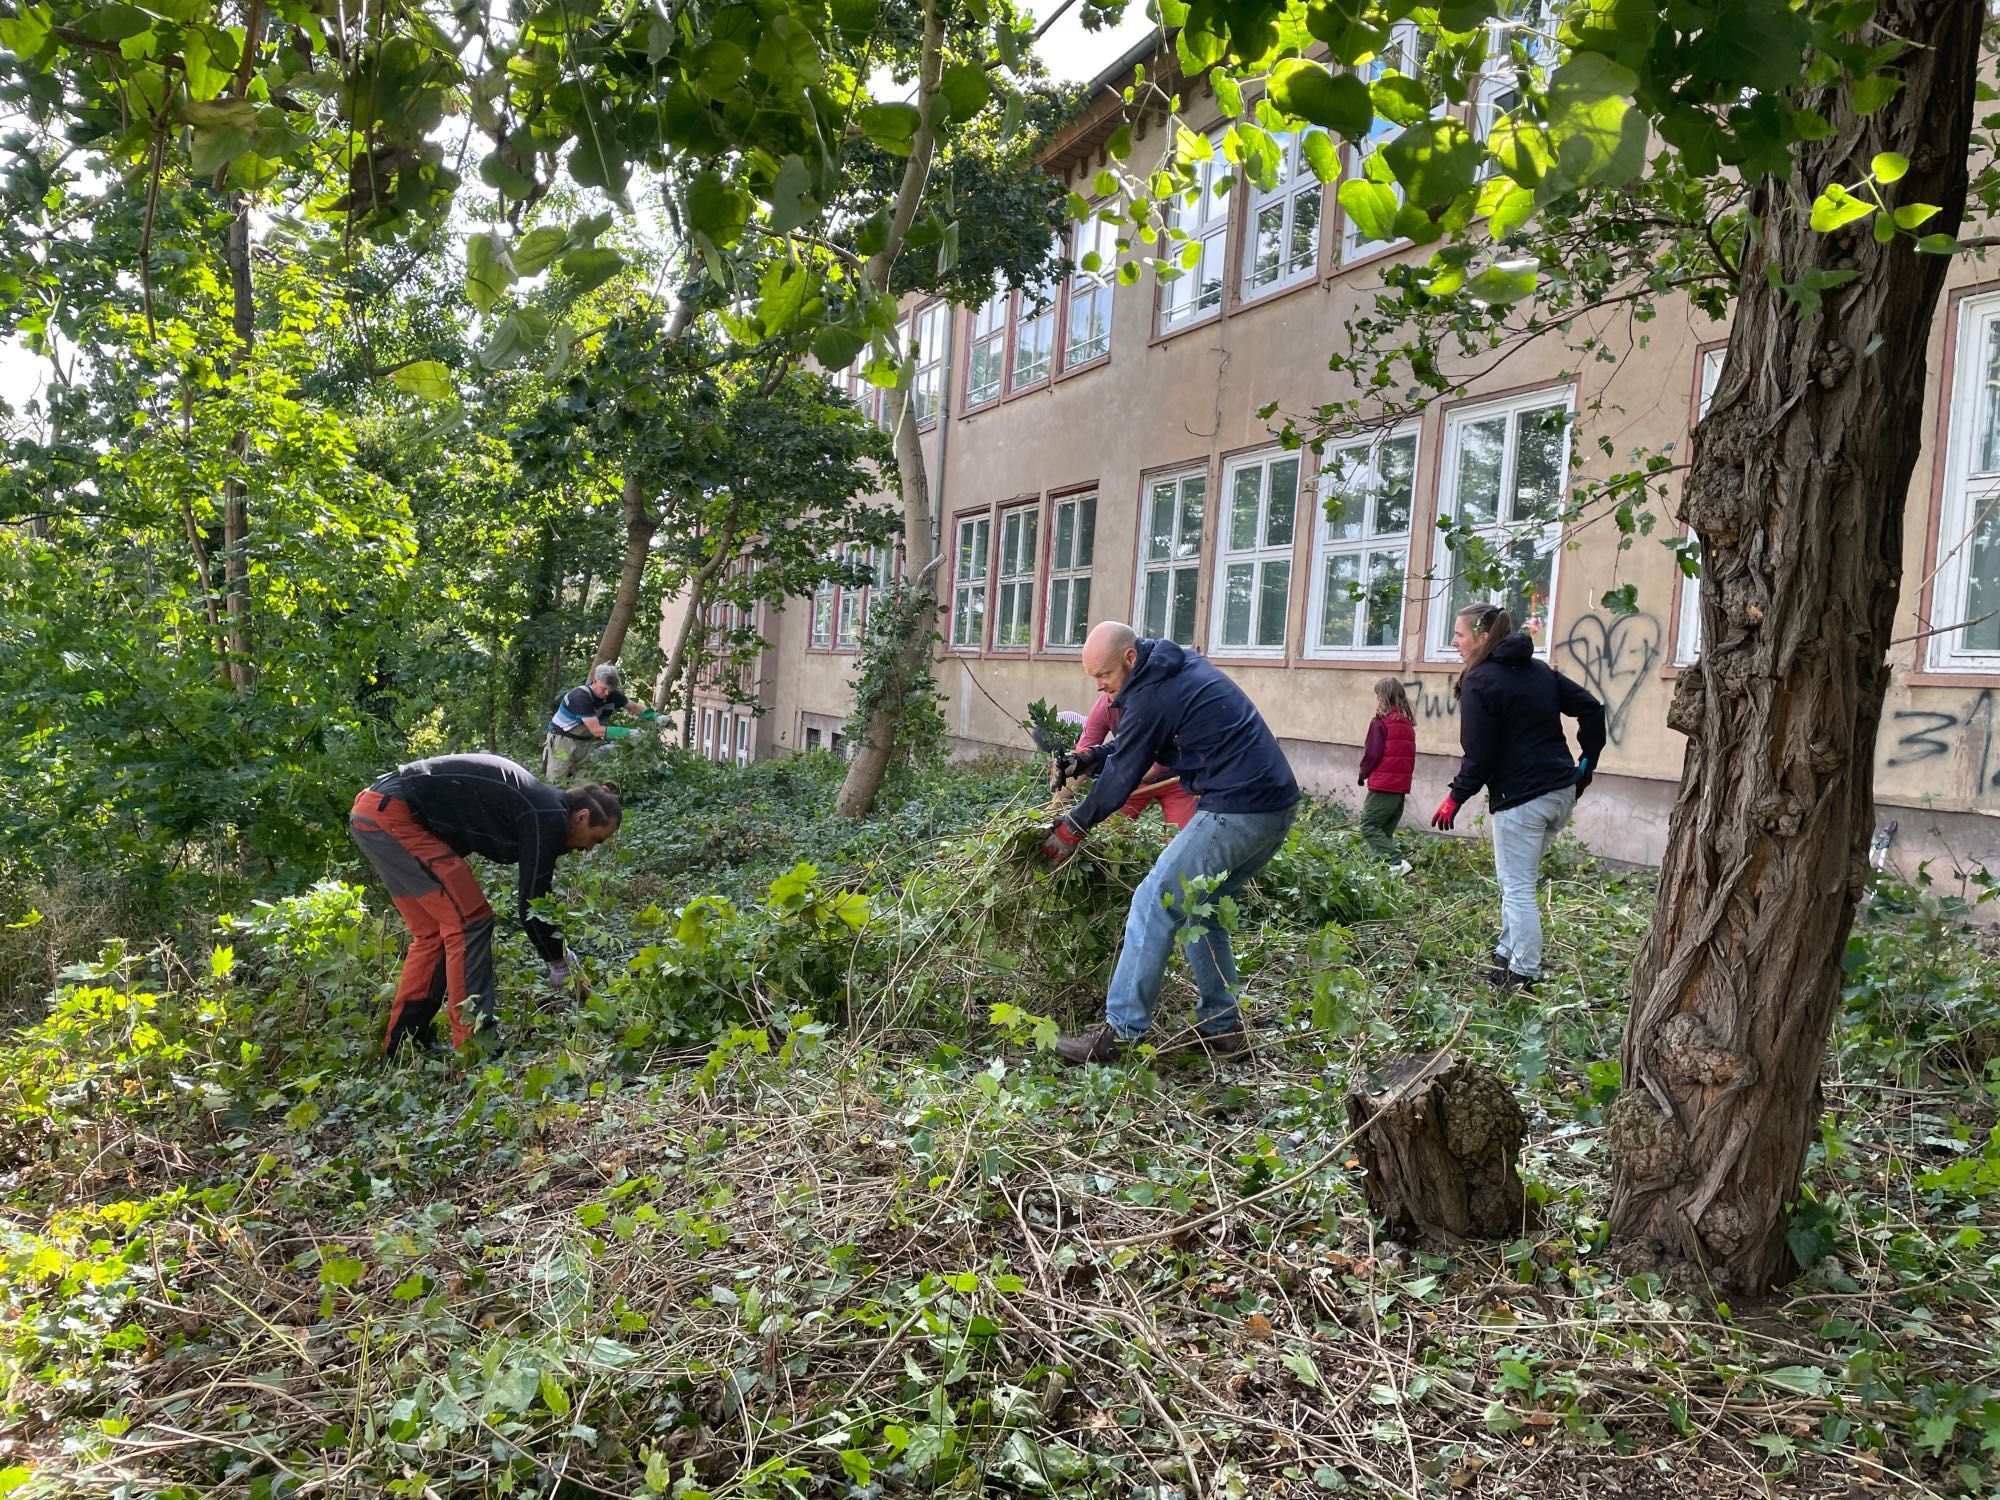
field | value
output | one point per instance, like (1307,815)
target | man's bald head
(1110,652)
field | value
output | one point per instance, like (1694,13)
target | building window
(822,625)
(708,734)
(1687,639)
(1253,567)
(927,382)
(1404,54)
(1034,334)
(968,583)
(848,609)
(1201,215)
(743,741)
(1362,546)
(1087,331)
(812,739)
(987,356)
(1014,579)
(1170,567)
(1533,30)
(1284,222)
(1965,603)
(1505,476)
(1073,538)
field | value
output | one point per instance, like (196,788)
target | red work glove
(1447,811)
(1061,843)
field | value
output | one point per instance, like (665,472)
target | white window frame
(1687,633)
(708,734)
(969,580)
(1090,289)
(1295,182)
(1336,463)
(1261,555)
(1490,98)
(1017,560)
(1031,343)
(988,333)
(1181,559)
(927,379)
(743,740)
(1400,55)
(1204,215)
(822,615)
(1547,540)
(850,606)
(1065,577)
(1971,496)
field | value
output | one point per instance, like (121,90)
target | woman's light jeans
(1233,845)
(1521,836)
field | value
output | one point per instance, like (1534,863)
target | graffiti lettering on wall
(1931,734)
(1614,658)
(1430,702)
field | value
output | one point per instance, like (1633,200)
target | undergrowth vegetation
(796,1205)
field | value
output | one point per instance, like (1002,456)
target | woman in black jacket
(1510,713)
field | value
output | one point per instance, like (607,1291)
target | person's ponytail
(601,800)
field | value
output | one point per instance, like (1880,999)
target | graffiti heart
(1615,658)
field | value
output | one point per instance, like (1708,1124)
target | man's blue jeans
(1233,845)
(1521,837)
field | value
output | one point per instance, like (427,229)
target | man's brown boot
(1094,1044)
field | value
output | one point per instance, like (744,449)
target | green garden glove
(616,732)
(649,713)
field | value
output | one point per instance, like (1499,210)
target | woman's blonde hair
(1490,626)
(1390,697)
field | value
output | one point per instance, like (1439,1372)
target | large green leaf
(535,249)
(1503,285)
(716,208)
(1435,162)
(216,146)
(890,126)
(1370,207)
(791,196)
(836,347)
(427,379)
(1599,136)
(487,271)
(1335,101)
(965,89)
(598,158)
(591,267)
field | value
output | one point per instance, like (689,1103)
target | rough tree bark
(640,524)
(1797,489)
(1437,1139)
(858,789)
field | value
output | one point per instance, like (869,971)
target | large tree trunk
(1797,492)
(639,528)
(858,789)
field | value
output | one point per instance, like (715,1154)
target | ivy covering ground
(795,1206)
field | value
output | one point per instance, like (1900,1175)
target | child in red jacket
(1387,761)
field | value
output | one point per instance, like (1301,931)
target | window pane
(1284,508)
(1183,623)
(965,558)
(1538,465)
(1272,603)
(1086,531)
(1982,591)
(1209,276)
(1153,617)
(1527,594)
(1396,475)
(1267,245)
(1481,447)
(1059,612)
(1194,492)
(1160,531)
(1244,494)
(1304,251)
(1347,480)
(1337,602)
(1239,584)
(1079,612)
(1989,404)
(1385,599)
(982,538)
(1065,536)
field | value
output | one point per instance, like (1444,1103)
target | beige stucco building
(1105,458)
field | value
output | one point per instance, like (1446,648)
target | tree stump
(1440,1158)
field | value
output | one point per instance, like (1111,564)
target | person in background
(1510,713)
(578,725)
(1388,760)
(417,824)
(1161,785)
(1178,705)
